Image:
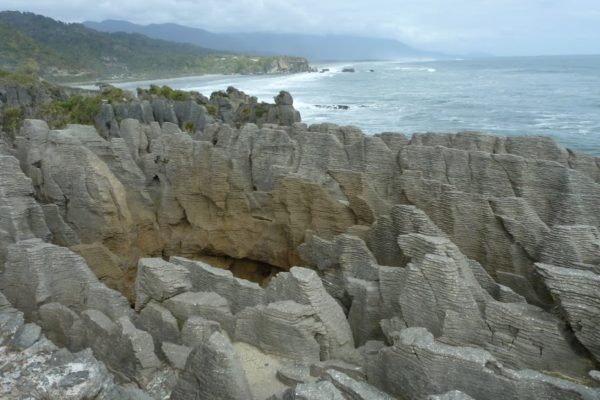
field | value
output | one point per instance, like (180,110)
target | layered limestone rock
(416,365)
(34,367)
(461,266)
(294,305)
(213,371)
(253,193)
(577,292)
(21,217)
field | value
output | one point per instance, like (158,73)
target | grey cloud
(496,26)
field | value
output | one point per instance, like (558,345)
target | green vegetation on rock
(169,93)
(12,119)
(260,110)
(75,110)
(80,109)
(189,127)
(212,110)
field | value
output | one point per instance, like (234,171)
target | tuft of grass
(12,119)
(189,127)
(75,110)
(260,110)
(113,94)
(169,93)
(212,110)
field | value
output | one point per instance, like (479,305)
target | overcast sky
(501,27)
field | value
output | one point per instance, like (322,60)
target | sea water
(553,96)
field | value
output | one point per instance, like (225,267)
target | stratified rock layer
(450,266)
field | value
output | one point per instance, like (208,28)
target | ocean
(556,96)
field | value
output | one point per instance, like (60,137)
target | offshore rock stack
(442,266)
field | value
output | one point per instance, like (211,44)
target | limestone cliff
(456,266)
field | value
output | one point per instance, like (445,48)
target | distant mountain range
(67,52)
(313,47)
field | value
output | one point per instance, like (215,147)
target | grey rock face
(304,287)
(264,326)
(238,292)
(141,343)
(106,122)
(324,390)
(453,395)
(353,371)
(177,355)
(213,371)
(490,244)
(58,322)
(20,216)
(578,293)
(34,367)
(417,365)
(293,375)
(354,389)
(42,273)
(160,323)
(26,336)
(190,112)
(443,290)
(207,305)
(159,280)
(197,330)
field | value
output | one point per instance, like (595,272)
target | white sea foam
(484,95)
(415,69)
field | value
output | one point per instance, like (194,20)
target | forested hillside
(67,52)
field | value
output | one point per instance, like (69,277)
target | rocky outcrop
(294,305)
(450,266)
(576,293)
(417,365)
(35,367)
(213,371)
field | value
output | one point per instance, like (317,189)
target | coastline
(505,96)
(91,85)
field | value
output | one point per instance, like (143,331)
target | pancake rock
(439,266)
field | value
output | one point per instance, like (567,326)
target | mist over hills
(313,47)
